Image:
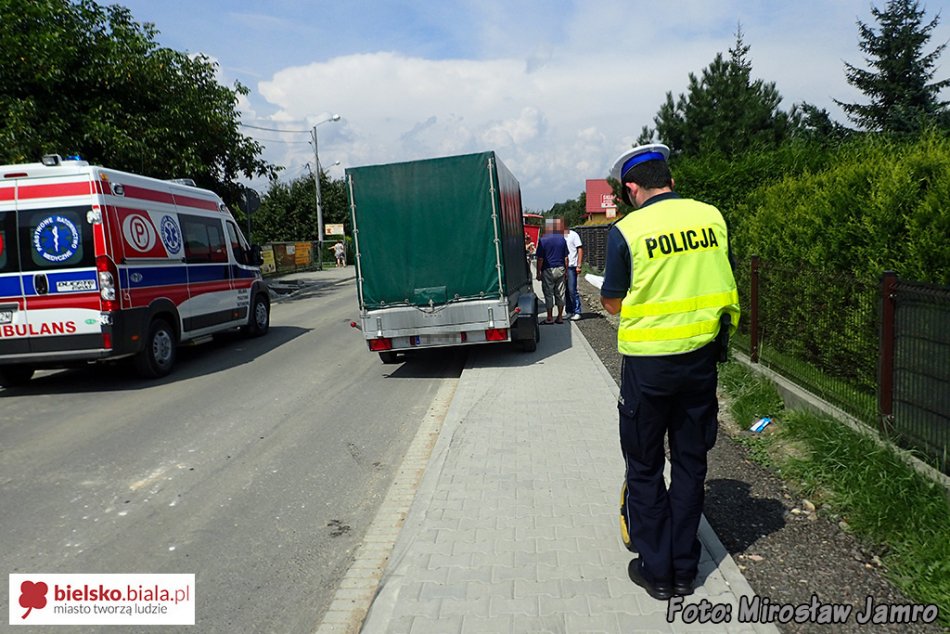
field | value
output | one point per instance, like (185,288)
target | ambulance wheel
(258,322)
(13,375)
(388,357)
(158,356)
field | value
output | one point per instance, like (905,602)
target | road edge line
(356,591)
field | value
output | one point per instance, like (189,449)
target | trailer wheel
(258,321)
(388,357)
(13,375)
(158,356)
(531,344)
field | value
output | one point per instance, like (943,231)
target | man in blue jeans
(575,258)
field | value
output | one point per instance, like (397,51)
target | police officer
(668,274)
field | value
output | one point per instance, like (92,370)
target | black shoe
(660,590)
(683,588)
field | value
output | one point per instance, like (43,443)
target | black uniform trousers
(676,396)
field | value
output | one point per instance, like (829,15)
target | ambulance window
(204,239)
(8,259)
(55,238)
(237,245)
(219,250)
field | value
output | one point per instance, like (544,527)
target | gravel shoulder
(786,552)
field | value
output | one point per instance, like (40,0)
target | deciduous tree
(80,78)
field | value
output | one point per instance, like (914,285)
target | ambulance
(98,264)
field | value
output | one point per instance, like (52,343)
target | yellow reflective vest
(681,280)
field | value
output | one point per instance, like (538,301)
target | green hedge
(827,221)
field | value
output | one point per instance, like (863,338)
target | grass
(892,508)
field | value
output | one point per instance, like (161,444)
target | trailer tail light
(380,345)
(107,288)
(496,334)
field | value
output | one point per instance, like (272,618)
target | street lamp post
(316,179)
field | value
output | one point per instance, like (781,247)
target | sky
(558,88)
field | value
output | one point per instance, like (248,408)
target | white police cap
(637,155)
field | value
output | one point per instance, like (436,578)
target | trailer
(440,257)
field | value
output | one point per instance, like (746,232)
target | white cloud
(558,101)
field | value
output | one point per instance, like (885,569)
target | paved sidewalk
(299,283)
(514,527)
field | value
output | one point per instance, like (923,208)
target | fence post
(754,312)
(885,382)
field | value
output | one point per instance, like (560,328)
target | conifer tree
(898,82)
(723,110)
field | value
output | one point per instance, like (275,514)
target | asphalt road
(257,465)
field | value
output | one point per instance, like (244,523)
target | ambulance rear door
(59,305)
(12,301)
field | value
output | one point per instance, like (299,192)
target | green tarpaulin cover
(425,233)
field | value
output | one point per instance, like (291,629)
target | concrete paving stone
(556,573)
(479,590)
(422,574)
(602,604)
(592,624)
(513,573)
(561,606)
(468,607)
(440,591)
(434,548)
(335,628)
(533,532)
(648,606)
(524,589)
(555,545)
(514,546)
(359,596)
(620,586)
(468,548)
(492,560)
(503,606)
(451,625)
(492,534)
(449,561)
(584,587)
(553,624)
(572,557)
(642,624)
(443,524)
(529,558)
(495,625)
(480,574)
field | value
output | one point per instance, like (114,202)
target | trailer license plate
(6,316)
(438,340)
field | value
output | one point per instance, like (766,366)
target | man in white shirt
(575,257)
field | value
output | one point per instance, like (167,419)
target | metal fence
(915,384)
(594,240)
(880,352)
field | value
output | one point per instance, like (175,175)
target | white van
(98,264)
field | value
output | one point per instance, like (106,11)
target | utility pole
(316,181)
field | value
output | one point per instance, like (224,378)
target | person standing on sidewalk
(669,276)
(551,264)
(575,258)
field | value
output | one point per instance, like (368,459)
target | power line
(279,141)
(254,127)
